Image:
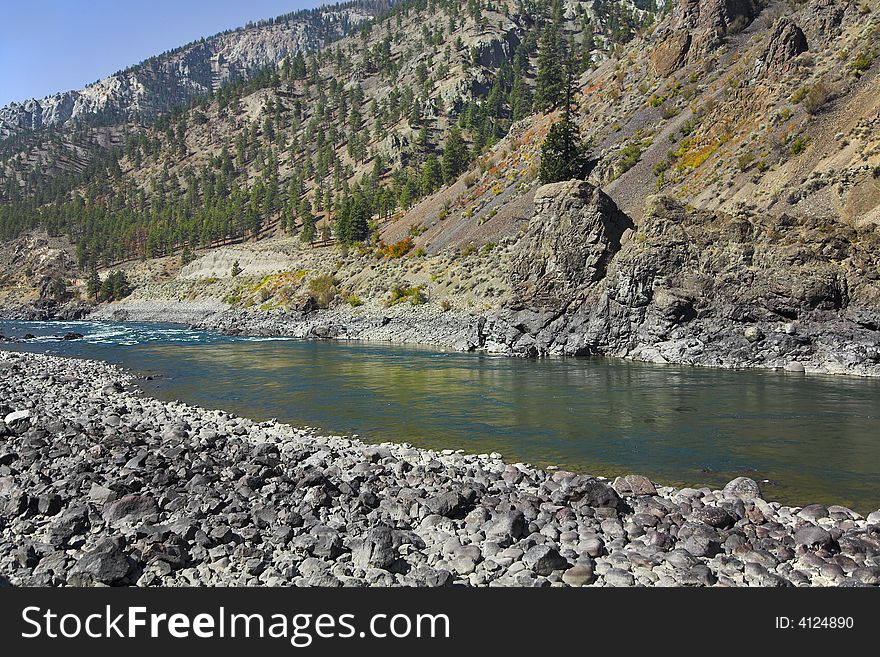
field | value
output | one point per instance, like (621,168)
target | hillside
(381,186)
(173,79)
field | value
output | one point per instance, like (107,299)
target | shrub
(687,127)
(745,160)
(399,294)
(669,111)
(323,289)
(400,249)
(354,300)
(863,62)
(799,95)
(816,98)
(236,269)
(630,156)
(798,145)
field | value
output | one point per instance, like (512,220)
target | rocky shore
(100,485)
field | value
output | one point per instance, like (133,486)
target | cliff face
(173,79)
(698,27)
(692,286)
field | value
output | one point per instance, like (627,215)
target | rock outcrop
(696,28)
(824,19)
(691,286)
(786,42)
(578,230)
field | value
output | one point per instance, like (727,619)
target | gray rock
(131,508)
(867,575)
(375,549)
(449,504)
(742,488)
(813,512)
(579,575)
(634,485)
(18,421)
(712,516)
(617,577)
(105,564)
(505,527)
(812,536)
(544,559)
(72,522)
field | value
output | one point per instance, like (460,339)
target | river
(806,438)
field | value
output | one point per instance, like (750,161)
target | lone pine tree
(564,156)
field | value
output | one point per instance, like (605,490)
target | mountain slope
(380,188)
(173,79)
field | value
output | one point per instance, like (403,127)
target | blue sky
(48,46)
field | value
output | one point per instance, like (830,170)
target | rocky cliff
(691,286)
(175,78)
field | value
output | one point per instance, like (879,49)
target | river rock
(581,574)
(633,485)
(505,527)
(813,536)
(105,564)
(544,559)
(375,549)
(18,421)
(742,488)
(175,495)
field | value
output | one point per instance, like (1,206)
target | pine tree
(432,177)
(563,154)
(550,82)
(93,284)
(455,155)
(352,219)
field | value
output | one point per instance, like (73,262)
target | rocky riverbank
(102,485)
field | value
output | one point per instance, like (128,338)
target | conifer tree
(455,155)
(564,156)
(550,82)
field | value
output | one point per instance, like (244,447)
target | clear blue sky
(47,46)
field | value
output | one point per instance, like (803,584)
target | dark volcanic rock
(544,559)
(105,564)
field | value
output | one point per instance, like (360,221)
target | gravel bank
(100,485)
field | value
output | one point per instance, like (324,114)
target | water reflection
(815,438)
